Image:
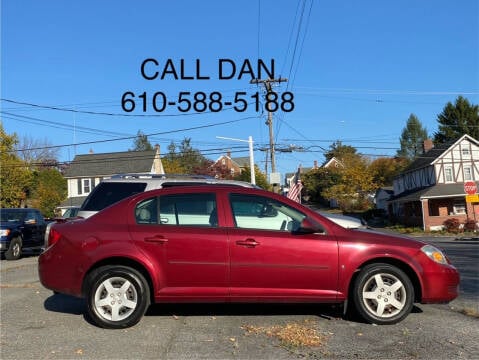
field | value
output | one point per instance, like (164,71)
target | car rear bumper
(57,273)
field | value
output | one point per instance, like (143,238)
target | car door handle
(250,243)
(156,239)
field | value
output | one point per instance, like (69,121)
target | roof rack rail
(160,176)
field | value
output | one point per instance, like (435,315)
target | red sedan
(230,244)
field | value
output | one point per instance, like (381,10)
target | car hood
(380,237)
(348,222)
(10,224)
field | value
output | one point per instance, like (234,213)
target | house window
(459,207)
(448,174)
(84,186)
(465,152)
(467,173)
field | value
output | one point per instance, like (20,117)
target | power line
(152,134)
(49,123)
(113,114)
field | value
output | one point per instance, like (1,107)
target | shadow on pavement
(222,309)
(65,304)
(75,306)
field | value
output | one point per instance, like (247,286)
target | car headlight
(4,232)
(434,254)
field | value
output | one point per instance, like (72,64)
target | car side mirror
(309,226)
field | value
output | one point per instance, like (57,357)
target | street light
(251,155)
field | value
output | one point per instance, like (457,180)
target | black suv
(20,230)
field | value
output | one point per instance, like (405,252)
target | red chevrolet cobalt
(218,243)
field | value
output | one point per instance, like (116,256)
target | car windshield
(71,212)
(9,215)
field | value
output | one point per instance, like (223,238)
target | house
(333,162)
(431,190)
(232,166)
(87,170)
(382,196)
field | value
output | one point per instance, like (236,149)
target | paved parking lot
(36,324)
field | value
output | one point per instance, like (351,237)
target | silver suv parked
(118,187)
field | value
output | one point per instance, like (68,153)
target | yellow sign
(472,198)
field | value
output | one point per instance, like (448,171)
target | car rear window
(108,193)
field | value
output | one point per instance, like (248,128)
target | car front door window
(255,212)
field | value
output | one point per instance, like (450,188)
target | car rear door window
(178,210)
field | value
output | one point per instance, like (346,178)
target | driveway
(38,324)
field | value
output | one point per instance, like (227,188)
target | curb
(475,238)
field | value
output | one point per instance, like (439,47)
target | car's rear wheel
(383,294)
(117,296)
(14,250)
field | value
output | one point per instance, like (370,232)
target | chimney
(315,166)
(228,154)
(427,145)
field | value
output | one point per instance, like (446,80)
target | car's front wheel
(117,296)
(383,294)
(14,250)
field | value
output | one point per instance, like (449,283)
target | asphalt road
(35,324)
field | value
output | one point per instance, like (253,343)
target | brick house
(431,190)
(232,166)
(87,170)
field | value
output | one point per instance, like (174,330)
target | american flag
(295,187)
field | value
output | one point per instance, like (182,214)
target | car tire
(117,296)
(14,251)
(383,294)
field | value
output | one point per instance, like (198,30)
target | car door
(29,228)
(181,231)
(38,229)
(270,260)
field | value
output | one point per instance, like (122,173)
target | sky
(355,70)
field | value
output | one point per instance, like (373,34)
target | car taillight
(53,237)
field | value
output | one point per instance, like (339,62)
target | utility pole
(267,85)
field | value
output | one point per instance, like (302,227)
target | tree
(412,138)
(384,170)
(185,159)
(15,178)
(260,177)
(338,151)
(49,190)
(317,180)
(457,120)
(354,183)
(37,152)
(141,142)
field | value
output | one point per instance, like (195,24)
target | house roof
(73,201)
(332,161)
(106,164)
(431,192)
(242,161)
(430,156)
(387,189)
